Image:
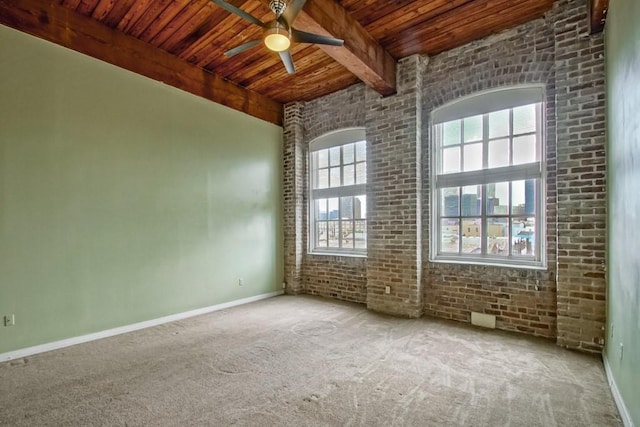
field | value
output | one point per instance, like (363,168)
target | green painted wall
(622,35)
(123,199)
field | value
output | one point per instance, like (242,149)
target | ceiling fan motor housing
(277,6)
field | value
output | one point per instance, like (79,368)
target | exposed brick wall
(343,278)
(394,194)
(566,300)
(522,300)
(581,178)
(339,110)
(293,179)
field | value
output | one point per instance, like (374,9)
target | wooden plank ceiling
(182,42)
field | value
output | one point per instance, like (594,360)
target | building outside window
(488,179)
(338,201)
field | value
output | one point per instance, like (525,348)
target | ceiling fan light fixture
(276,38)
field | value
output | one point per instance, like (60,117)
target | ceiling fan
(279,33)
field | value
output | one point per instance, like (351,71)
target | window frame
(484,103)
(330,140)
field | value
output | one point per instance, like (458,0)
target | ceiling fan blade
(304,37)
(241,48)
(241,13)
(292,10)
(287,60)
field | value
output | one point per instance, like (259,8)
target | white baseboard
(24,352)
(617,397)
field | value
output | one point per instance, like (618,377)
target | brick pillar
(293,197)
(394,194)
(580,110)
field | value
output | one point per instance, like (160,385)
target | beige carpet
(304,361)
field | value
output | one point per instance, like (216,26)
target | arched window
(337,193)
(488,181)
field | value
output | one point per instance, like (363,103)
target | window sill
(338,254)
(490,263)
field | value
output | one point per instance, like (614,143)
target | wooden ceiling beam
(58,24)
(598,14)
(362,55)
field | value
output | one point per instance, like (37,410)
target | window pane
(348,153)
(323,178)
(361,173)
(321,234)
(530,186)
(471,235)
(346,207)
(321,209)
(333,234)
(449,235)
(499,153)
(523,236)
(360,207)
(347,235)
(349,175)
(524,197)
(524,149)
(471,200)
(360,234)
(451,133)
(498,236)
(333,208)
(473,129)
(334,177)
(517,198)
(499,124)
(524,119)
(323,158)
(472,157)
(498,198)
(450,198)
(361,151)
(451,160)
(334,156)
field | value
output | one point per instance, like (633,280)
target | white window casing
(457,218)
(341,231)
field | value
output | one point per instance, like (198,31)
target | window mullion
(485,141)
(340,222)
(510,220)
(461,165)
(340,214)
(510,136)
(483,220)
(483,187)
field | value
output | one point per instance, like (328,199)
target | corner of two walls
(565,301)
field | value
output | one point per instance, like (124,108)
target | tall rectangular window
(338,201)
(488,183)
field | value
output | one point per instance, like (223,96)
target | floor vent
(484,320)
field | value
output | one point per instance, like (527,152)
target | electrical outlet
(240,282)
(387,290)
(9,319)
(284,285)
